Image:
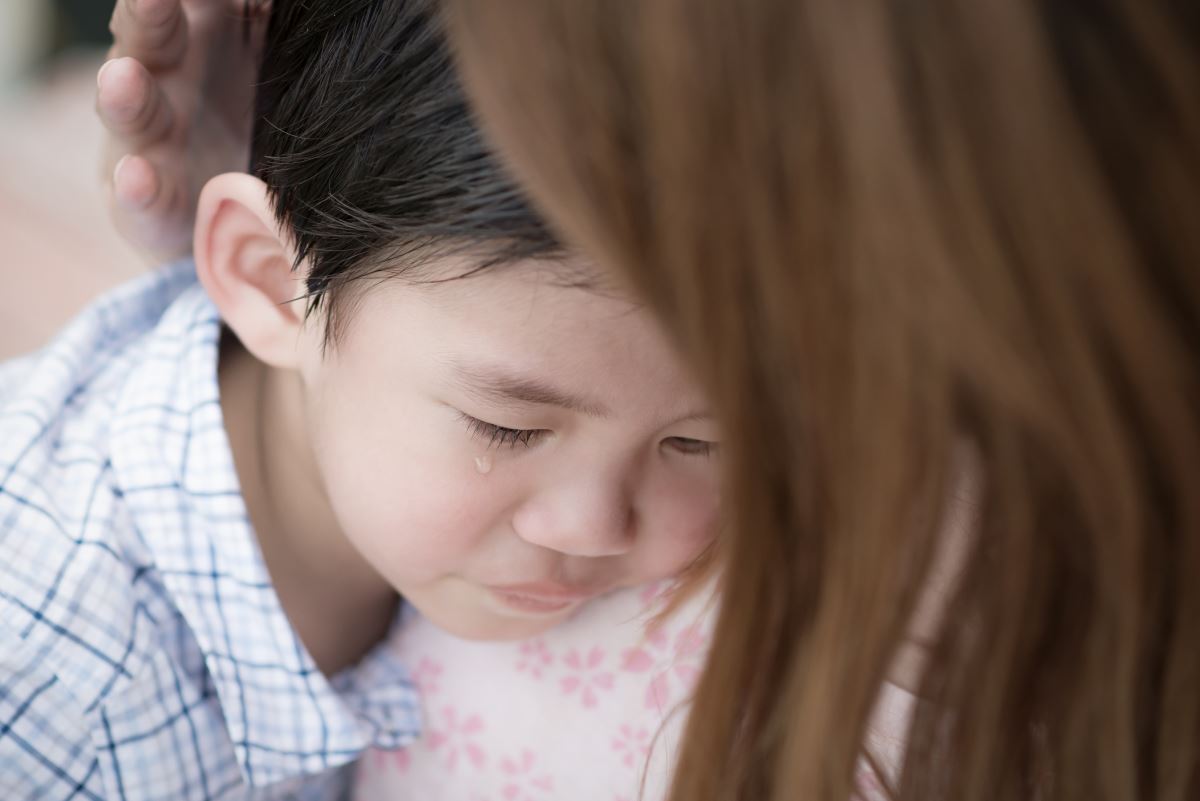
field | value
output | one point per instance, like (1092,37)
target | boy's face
(503,449)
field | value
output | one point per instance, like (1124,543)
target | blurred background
(57,249)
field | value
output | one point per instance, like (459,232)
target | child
(212,496)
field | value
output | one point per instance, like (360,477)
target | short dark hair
(370,154)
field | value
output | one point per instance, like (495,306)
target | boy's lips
(540,597)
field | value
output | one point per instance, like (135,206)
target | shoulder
(45,741)
(158,733)
(69,561)
(65,393)
(69,575)
(93,343)
(101,672)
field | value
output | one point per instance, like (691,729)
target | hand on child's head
(176,97)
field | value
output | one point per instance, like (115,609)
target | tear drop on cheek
(483,464)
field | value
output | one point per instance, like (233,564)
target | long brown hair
(887,234)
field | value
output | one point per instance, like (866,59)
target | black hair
(370,154)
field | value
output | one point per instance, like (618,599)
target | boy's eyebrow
(495,384)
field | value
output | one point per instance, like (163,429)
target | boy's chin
(487,618)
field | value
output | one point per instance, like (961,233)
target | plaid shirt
(143,651)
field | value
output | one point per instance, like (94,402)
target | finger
(149,208)
(152,31)
(132,104)
(136,184)
(144,191)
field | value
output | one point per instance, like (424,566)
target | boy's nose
(589,517)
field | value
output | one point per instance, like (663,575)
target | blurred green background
(80,21)
(34,32)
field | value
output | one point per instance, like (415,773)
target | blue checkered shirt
(143,651)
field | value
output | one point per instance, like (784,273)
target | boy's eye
(692,447)
(498,436)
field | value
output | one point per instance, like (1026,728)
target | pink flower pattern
(523,782)
(633,744)
(652,595)
(676,663)
(586,675)
(427,675)
(457,737)
(535,658)
(575,713)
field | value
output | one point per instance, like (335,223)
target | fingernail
(100,74)
(138,191)
(117,170)
(131,203)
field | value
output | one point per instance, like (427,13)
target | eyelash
(499,436)
(694,447)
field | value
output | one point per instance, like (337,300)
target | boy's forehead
(460,282)
(524,307)
(518,332)
(534,307)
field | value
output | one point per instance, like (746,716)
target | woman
(913,248)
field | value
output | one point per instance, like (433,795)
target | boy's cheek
(415,527)
(674,539)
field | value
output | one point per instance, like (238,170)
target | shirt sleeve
(46,749)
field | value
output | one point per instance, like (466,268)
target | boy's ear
(245,263)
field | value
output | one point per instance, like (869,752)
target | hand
(177,98)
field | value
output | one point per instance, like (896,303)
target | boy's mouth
(540,598)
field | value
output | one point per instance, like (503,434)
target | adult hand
(177,98)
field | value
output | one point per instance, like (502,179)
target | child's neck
(337,603)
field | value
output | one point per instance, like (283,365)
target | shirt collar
(173,462)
